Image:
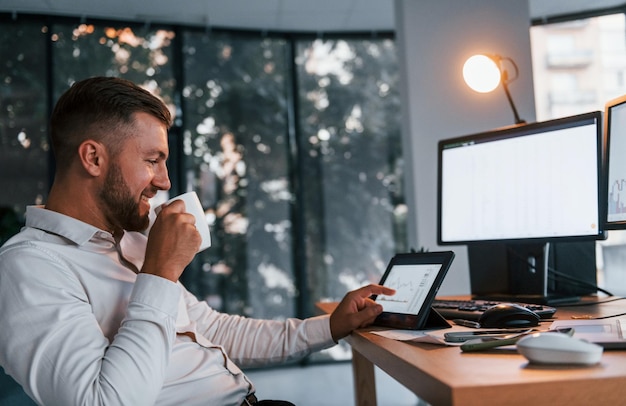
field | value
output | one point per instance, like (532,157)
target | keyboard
(472,309)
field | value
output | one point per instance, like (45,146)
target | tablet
(416,277)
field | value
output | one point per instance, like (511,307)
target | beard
(121,208)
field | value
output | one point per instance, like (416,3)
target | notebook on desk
(609,333)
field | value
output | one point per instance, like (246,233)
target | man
(92,310)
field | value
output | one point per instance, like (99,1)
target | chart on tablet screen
(412,283)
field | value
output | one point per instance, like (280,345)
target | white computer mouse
(558,348)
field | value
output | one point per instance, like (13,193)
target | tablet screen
(416,278)
(412,284)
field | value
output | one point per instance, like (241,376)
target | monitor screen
(615,143)
(530,183)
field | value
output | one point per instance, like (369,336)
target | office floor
(325,385)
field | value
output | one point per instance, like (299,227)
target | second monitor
(511,193)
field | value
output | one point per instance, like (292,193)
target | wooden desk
(443,375)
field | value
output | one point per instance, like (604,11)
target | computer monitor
(510,194)
(615,169)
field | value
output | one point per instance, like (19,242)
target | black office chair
(11,393)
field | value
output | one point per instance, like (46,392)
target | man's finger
(373,289)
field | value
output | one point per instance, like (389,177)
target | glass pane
(351,162)
(578,65)
(23,119)
(23,138)
(236,151)
(140,54)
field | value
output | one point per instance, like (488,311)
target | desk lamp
(483,73)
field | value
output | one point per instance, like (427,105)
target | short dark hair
(102,109)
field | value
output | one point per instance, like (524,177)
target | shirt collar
(68,227)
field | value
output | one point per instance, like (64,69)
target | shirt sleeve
(51,343)
(254,342)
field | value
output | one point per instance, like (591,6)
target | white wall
(434,40)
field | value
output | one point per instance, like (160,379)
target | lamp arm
(505,86)
(513,64)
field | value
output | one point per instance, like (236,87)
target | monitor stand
(519,272)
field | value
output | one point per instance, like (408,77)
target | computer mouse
(505,315)
(558,348)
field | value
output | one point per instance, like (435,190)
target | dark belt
(249,400)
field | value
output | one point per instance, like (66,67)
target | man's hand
(356,310)
(172,243)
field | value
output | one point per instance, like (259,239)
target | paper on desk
(422,336)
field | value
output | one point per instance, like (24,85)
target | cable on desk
(580,304)
(613,299)
(575,281)
(608,317)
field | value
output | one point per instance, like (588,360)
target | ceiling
(264,15)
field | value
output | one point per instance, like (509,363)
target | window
(24,147)
(578,65)
(236,151)
(140,54)
(351,161)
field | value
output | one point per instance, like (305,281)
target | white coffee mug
(193,206)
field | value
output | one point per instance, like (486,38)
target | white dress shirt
(80,326)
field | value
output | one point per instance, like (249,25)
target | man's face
(135,175)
